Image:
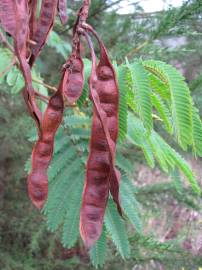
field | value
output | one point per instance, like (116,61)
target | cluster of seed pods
(18,18)
(14,17)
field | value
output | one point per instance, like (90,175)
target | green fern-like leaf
(175,176)
(130,205)
(57,203)
(71,224)
(62,47)
(60,160)
(98,251)
(163,111)
(167,157)
(123,112)
(124,164)
(197,133)
(142,92)
(137,135)
(116,229)
(158,85)
(61,141)
(181,104)
(76,121)
(83,96)
(78,133)
(172,159)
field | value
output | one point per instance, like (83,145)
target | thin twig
(45,101)
(50,87)
(137,49)
(41,96)
(102,7)
(32,42)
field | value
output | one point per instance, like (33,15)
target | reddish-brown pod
(7,16)
(43,149)
(105,97)
(45,24)
(107,89)
(32,17)
(14,17)
(75,83)
(22,26)
(96,188)
(62,11)
(17,26)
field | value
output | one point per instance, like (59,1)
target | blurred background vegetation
(173,35)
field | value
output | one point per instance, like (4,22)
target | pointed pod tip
(89,242)
(38,205)
(38,198)
(89,239)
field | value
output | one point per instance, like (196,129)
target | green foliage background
(157,103)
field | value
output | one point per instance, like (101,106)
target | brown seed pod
(107,89)
(43,149)
(62,11)
(45,24)
(100,170)
(14,17)
(74,86)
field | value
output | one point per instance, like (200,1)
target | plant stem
(42,97)
(50,87)
(137,49)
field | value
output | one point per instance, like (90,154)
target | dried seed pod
(14,16)
(74,86)
(107,90)
(96,188)
(62,11)
(28,92)
(8,17)
(43,149)
(45,24)
(32,17)
(100,169)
